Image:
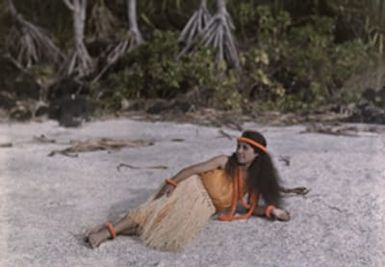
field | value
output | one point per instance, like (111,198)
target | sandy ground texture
(48,203)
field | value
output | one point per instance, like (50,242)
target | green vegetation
(294,55)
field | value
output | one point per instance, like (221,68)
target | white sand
(47,203)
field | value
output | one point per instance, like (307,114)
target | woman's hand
(167,189)
(281,214)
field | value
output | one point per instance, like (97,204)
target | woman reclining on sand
(184,204)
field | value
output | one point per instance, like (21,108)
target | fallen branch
(295,191)
(177,140)
(99,145)
(5,145)
(339,130)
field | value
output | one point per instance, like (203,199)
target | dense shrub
(299,67)
(153,71)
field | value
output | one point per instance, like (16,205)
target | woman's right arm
(218,162)
(211,164)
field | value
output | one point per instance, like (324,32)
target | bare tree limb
(30,43)
(102,21)
(133,39)
(69,4)
(194,28)
(215,31)
(218,34)
(133,24)
(80,62)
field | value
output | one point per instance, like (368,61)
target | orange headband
(253,143)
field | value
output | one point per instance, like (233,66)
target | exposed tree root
(194,28)
(29,44)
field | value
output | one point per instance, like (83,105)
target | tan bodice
(219,187)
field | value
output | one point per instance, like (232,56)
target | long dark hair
(261,175)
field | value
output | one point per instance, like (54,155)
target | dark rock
(68,102)
(71,110)
(367,112)
(371,107)
(66,87)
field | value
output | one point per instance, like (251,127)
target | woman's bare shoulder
(221,160)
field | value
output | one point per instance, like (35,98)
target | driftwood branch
(295,191)
(98,145)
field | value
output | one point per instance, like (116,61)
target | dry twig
(285,160)
(162,167)
(5,145)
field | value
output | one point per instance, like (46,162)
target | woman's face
(245,153)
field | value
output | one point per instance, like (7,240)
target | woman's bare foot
(96,237)
(281,215)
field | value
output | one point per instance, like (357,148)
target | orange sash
(238,190)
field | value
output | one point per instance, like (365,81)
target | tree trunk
(133,22)
(81,62)
(221,6)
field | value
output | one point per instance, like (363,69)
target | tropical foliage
(286,55)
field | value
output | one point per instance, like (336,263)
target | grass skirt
(171,222)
